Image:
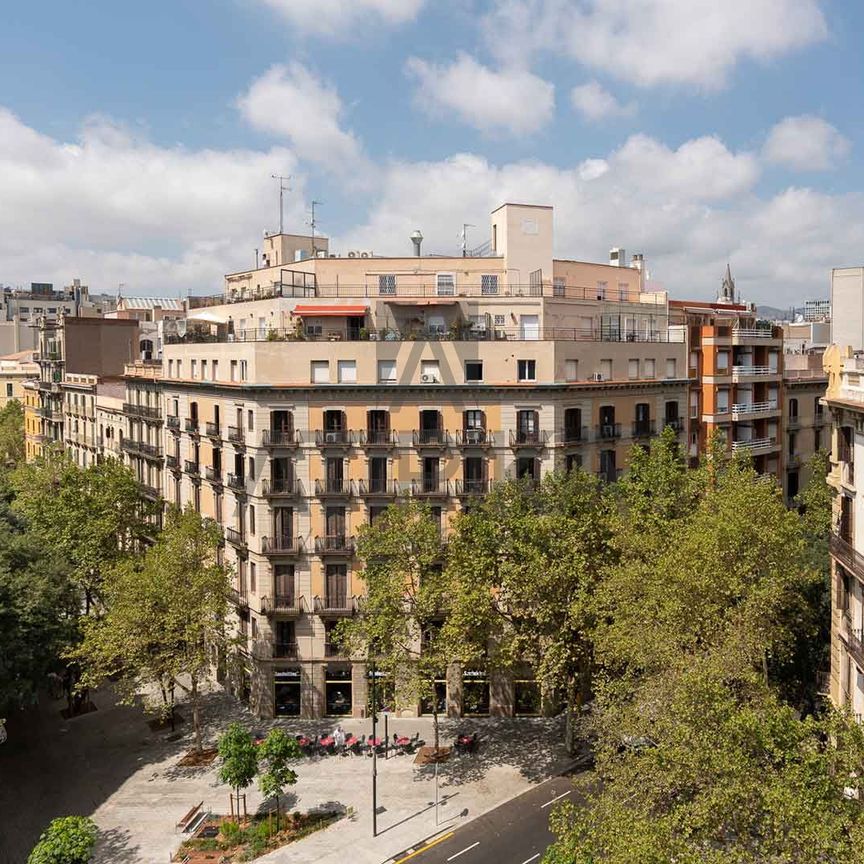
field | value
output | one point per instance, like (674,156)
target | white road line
(466,849)
(532,858)
(542,806)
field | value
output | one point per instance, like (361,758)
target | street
(514,833)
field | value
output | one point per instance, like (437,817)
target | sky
(138,141)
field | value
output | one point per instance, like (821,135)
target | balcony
(235,435)
(150,492)
(281,487)
(372,438)
(378,488)
(429,438)
(756,446)
(173,422)
(528,438)
(140,448)
(820,420)
(213,475)
(746,373)
(676,424)
(172,462)
(286,605)
(191,425)
(145,412)
(335,606)
(474,438)
(573,435)
(280,438)
(236,482)
(845,553)
(847,474)
(333,649)
(236,538)
(334,488)
(213,431)
(793,460)
(608,431)
(285,650)
(793,423)
(332,438)
(471,487)
(751,410)
(281,545)
(334,544)
(430,487)
(239,597)
(754,336)
(643,428)
(193,469)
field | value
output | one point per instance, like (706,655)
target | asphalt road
(514,833)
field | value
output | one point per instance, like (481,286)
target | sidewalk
(109,765)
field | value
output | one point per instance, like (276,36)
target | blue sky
(137,147)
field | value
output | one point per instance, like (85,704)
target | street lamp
(374,753)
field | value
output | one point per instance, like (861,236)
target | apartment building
(805,422)
(74,356)
(320,389)
(845,399)
(15,369)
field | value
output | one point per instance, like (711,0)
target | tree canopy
(69,840)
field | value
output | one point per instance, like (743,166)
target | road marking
(542,806)
(429,845)
(529,860)
(466,849)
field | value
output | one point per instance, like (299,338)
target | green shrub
(231,832)
(69,840)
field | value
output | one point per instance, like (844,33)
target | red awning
(328,311)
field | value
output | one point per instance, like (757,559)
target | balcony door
(335,523)
(336,586)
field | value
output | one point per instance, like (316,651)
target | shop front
(337,689)
(475,693)
(287,688)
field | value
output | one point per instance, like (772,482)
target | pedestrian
(339,737)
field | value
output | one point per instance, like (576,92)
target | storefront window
(337,690)
(426,703)
(526,696)
(385,692)
(475,692)
(287,692)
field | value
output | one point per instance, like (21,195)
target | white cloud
(341,18)
(686,209)
(805,143)
(510,100)
(594,102)
(290,102)
(651,42)
(111,208)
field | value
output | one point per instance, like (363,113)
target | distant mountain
(772,313)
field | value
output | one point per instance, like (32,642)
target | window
(193,371)
(170,368)
(429,371)
(571,370)
(489,284)
(215,370)
(793,441)
(650,371)
(722,361)
(623,292)
(446,284)
(250,420)
(233,369)
(671,367)
(243,370)
(500,320)
(251,518)
(605,370)
(526,370)
(203,370)
(386,371)
(8,390)
(387,283)
(632,369)
(346,371)
(473,371)
(320,372)
(179,368)
(793,409)
(722,401)
(601,290)
(559,286)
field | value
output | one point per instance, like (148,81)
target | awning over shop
(424,301)
(308,311)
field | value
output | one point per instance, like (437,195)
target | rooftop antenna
(464,236)
(284,186)
(313,223)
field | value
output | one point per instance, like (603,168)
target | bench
(184,823)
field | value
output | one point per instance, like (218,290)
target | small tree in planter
(69,840)
(239,761)
(274,774)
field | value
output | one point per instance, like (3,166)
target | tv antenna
(313,223)
(284,186)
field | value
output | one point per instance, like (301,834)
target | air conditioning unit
(474,436)
(332,437)
(428,379)
(352,254)
(598,376)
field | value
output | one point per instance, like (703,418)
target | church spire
(727,291)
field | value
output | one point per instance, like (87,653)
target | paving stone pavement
(109,765)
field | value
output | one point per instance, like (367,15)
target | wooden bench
(187,820)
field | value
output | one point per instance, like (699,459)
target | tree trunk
(196,718)
(569,729)
(435,722)
(277,814)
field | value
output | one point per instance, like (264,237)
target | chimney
(617,257)
(416,239)
(638,262)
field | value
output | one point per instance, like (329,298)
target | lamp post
(374,753)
